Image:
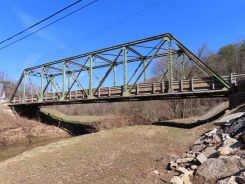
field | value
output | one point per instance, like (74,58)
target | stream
(7,152)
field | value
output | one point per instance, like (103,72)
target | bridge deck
(178,95)
(193,88)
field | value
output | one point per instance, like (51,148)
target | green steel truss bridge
(154,68)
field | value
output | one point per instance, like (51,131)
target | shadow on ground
(179,125)
(73,128)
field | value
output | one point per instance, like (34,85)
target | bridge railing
(150,88)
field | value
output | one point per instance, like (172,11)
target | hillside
(121,155)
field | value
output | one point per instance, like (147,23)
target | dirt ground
(120,155)
(16,130)
(98,122)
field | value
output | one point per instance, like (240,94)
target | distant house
(3,98)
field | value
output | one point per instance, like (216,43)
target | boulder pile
(217,157)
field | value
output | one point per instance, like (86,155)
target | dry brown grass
(121,155)
(150,111)
(14,129)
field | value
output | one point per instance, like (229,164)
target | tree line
(229,59)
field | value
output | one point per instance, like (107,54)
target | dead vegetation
(14,129)
(148,111)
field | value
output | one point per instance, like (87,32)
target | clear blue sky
(110,22)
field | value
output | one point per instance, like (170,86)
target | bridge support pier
(237,98)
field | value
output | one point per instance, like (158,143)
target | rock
(184,160)
(212,133)
(156,172)
(242,175)
(194,167)
(241,178)
(208,141)
(229,142)
(243,137)
(235,126)
(167,177)
(172,165)
(182,170)
(210,152)
(223,151)
(185,179)
(217,140)
(214,169)
(231,180)
(176,180)
(230,145)
(238,136)
(227,112)
(188,155)
(201,158)
(228,118)
(197,147)
(225,136)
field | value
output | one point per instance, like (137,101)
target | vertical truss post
(68,81)
(51,84)
(68,85)
(144,65)
(24,87)
(170,64)
(114,76)
(125,88)
(182,67)
(41,86)
(52,87)
(63,81)
(90,90)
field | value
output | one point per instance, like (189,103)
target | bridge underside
(166,96)
(154,68)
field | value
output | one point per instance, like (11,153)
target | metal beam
(124,53)
(113,64)
(41,86)
(102,58)
(103,50)
(170,65)
(76,77)
(199,62)
(90,92)
(125,60)
(148,63)
(118,63)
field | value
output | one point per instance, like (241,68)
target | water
(7,152)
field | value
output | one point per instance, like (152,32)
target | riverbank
(10,151)
(17,130)
(120,155)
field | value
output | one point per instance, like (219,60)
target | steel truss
(66,75)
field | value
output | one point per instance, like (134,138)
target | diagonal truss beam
(148,63)
(77,76)
(199,62)
(140,55)
(108,71)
